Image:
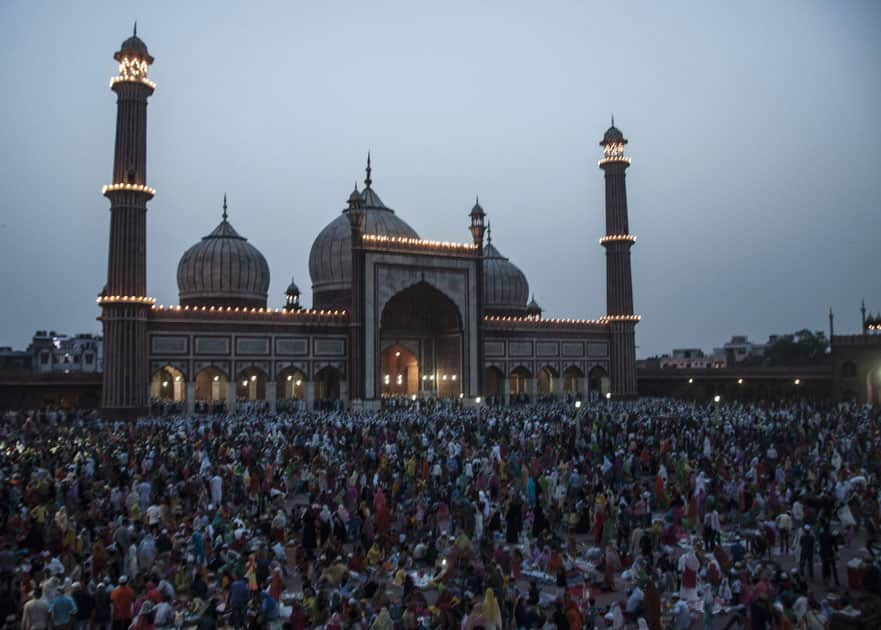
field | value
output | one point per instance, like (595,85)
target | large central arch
(422,336)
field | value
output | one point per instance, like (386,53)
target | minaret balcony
(122,187)
(618,238)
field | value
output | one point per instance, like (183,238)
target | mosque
(393,314)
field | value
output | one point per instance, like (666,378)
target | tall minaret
(124,300)
(478,229)
(619,287)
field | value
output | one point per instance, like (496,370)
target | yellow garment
(374,556)
(491,612)
(39,513)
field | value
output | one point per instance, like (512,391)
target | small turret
(533,309)
(292,297)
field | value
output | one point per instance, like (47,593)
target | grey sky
(755,188)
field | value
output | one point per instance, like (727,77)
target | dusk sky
(755,189)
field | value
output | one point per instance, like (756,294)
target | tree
(800,348)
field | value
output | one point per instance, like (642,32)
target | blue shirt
(238,593)
(61,608)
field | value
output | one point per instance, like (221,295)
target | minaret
(619,287)
(831,325)
(478,228)
(355,215)
(863,317)
(124,300)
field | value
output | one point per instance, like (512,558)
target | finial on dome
(613,120)
(225,213)
(135,29)
(367,180)
(489,233)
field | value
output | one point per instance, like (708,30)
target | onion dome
(330,260)
(613,135)
(533,309)
(134,46)
(223,269)
(505,289)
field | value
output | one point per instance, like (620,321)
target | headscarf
(491,611)
(383,620)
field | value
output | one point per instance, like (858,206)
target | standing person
(35,615)
(806,557)
(784,528)
(85,607)
(122,599)
(62,608)
(102,607)
(237,602)
(711,529)
(828,549)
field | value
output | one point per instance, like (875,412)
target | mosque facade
(394,315)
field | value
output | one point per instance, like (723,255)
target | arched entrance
(572,381)
(211,389)
(598,380)
(547,378)
(399,373)
(494,385)
(251,385)
(425,326)
(168,385)
(290,384)
(327,385)
(873,387)
(520,384)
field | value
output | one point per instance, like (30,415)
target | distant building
(856,360)
(14,360)
(738,349)
(686,358)
(50,351)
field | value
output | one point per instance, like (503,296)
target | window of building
(44,359)
(88,359)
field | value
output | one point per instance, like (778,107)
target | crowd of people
(644,514)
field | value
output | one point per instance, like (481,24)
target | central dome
(330,260)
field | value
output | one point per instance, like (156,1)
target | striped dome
(223,269)
(330,260)
(505,289)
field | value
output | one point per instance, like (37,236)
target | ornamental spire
(225,213)
(368,180)
(135,29)
(489,233)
